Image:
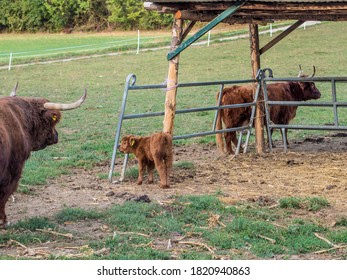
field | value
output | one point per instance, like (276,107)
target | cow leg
(150,168)
(286,136)
(142,166)
(3,200)
(228,138)
(271,132)
(234,138)
(163,168)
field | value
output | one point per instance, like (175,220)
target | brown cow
(235,117)
(26,124)
(154,150)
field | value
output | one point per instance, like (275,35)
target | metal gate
(130,86)
(334,104)
(262,79)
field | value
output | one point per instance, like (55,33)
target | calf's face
(127,144)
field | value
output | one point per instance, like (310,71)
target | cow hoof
(139,182)
(150,182)
(5,225)
(164,186)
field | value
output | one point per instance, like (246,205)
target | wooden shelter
(252,12)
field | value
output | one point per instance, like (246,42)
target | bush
(59,15)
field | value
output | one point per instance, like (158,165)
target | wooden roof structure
(255,11)
(252,12)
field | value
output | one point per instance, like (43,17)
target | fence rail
(334,104)
(261,81)
(20,57)
(130,86)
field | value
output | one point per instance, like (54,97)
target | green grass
(76,214)
(87,134)
(342,222)
(34,223)
(26,48)
(141,230)
(25,232)
(311,203)
(43,47)
(184,165)
(290,202)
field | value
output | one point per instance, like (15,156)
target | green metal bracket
(205,29)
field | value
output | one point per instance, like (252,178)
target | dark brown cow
(26,124)
(235,117)
(154,150)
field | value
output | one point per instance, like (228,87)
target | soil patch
(313,167)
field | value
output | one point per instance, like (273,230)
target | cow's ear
(132,141)
(53,117)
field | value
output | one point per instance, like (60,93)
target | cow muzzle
(56,137)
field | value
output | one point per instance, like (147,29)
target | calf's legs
(150,168)
(142,167)
(164,166)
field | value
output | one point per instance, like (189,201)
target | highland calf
(151,151)
(26,125)
(235,117)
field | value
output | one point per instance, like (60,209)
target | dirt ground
(312,167)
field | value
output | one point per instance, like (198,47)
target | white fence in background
(132,45)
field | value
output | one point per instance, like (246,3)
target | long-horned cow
(284,91)
(26,124)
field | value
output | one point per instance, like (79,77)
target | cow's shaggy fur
(235,117)
(25,126)
(151,151)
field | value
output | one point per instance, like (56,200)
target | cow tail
(219,126)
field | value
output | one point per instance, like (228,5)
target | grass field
(201,227)
(87,134)
(31,48)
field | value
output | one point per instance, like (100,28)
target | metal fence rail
(334,104)
(261,79)
(130,86)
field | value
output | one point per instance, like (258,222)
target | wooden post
(172,79)
(255,60)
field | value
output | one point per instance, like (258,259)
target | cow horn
(314,72)
(63,107)
(14,91)
(300,72)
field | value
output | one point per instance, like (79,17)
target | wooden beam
(252,12)
(295,7)
(202,17)
(188,29)
(281,36)
(231,10)
(255,61)
(172,80)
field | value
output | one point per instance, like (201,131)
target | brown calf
(151,151)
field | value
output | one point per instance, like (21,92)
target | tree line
(78,15)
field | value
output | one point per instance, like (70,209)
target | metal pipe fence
(130,86)
(261,81)
(334,104)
